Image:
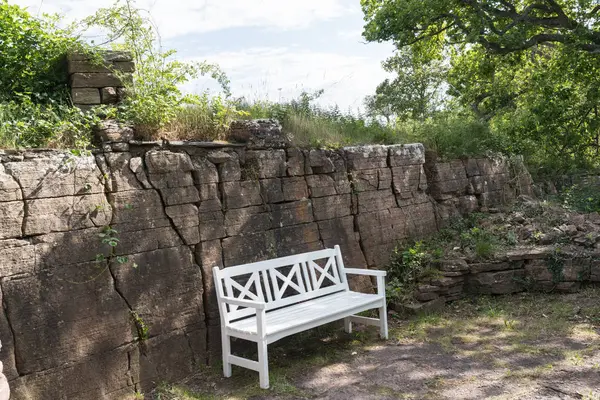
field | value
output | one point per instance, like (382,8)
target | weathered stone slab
(94,80)
(296,239)
(407,179)
(52,329)
(109,95)
(230,171)
(85,96)
(295,162)
(163,161)
(11,219)
(529,253)
(104,376)
(468,204)
(286,214)
(208,256)
(366,157)
(332,207)
(502,282)
(205,172)
(212,225)
(137,207)
(272,190)
(249,248)
(261,164)
(406,154)
(57,175)
(119,172)
(18,257)
(167,358)
(496,266)
(171,296)
(136,165)
(241,194)
(379,232)
(371,179)
(66,213)
(320,162)
(9,188)
(209,197)
(321,185)
(132,240)
(180,195)
(340,231)
(375,201)
(294,188)
(185,219)
(62,248)
(247,220)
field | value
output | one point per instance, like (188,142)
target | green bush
(581,198)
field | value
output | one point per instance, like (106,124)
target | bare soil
(525,346)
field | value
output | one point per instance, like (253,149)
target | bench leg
(383,326)
(226,349)
(347,325)
(263,364)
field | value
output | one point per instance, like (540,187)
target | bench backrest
(281,281)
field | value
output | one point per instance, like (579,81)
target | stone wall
(95,82)
(71,325)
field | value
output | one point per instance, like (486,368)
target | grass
(520,339)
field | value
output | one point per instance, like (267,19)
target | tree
(499,26)
(528,68)
(413,93)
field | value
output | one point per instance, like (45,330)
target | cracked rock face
(84,319)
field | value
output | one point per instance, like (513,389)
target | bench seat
(302,314)
(268,300)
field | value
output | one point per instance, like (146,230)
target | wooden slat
(244,362)
(364,320)
(302,313)
(306,277)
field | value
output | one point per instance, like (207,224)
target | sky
(270,49)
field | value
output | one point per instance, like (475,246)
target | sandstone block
(249,248)
(295,162)
(366,157)
(241,194)
(94,80)
(11,219)
(332,207)
(85,96)
(272,190)
(112,131)
(109,95)
(212,225)
(285,214)
(406,179)
(205,172)
(160,161)
(9,188)
(180,195)
(230,171)
(57,175)
(171,297)
(294,188)
(261,164)
(247,220)
(321,185)
(502,282)
(320,162)
(18,257)
(496,266)
(52,329)
(296,239)
(340,231)
(209,197)
(406,154)
(208,256)
(66,213)
(185,219)
(375,201)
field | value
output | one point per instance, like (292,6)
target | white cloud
(283,73)
(179,17)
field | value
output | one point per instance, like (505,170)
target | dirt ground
(524,346)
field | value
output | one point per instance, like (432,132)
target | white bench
(269,300)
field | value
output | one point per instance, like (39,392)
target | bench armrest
(371,272)
(244,303)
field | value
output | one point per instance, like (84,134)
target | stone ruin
(72,327)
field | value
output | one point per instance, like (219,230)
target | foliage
(581,198)
(499,26)
(52,123)
(32,52)
(529,70)
(413,94)
(154,97)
